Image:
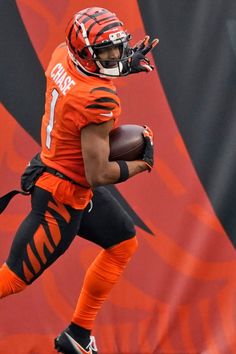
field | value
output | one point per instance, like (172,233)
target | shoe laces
(92,344)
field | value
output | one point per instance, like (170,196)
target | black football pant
(50,228)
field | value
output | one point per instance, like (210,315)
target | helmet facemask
(112,66)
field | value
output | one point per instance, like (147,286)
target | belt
(56,173)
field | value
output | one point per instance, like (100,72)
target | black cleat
(66,343)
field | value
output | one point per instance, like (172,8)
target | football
(127,142)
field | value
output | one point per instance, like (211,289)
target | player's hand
(148,155)
(138,62)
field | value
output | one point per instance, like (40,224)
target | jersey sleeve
(102,104)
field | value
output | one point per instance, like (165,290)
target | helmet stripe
(100,22)
(87,42)
(106,28)
(69,39)
(93,16)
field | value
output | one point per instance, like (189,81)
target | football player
(81,108)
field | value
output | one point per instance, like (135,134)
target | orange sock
(100,277)
(10,283)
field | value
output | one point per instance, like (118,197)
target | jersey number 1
(55,96)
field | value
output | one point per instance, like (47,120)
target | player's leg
(43,236)
(108,225)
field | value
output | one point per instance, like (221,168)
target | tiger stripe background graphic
(178,294)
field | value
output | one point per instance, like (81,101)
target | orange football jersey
(73,101)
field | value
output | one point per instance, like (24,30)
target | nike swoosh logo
(77,347)
(107,114)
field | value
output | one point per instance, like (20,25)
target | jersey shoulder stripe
(97,104)
(100,100)
(102,88)
(106,100)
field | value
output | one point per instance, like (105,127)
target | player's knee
(10,283)
(131,246)
(125,250)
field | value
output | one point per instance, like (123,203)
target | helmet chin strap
(112,72)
